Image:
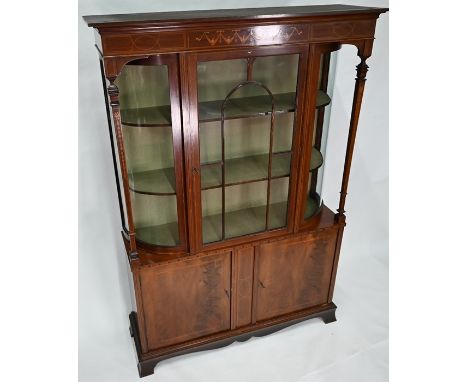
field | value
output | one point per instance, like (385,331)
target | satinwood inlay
(250,36)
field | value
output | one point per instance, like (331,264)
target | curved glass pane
(147,131)
(318,138)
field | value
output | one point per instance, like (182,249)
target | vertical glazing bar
(270,159)
(223,179)
(250,62)
(111,135)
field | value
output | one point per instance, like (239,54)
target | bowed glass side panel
(319,136)
(145,108)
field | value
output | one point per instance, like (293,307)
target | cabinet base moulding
(148,361)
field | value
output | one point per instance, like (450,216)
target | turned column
(113,92)
(361,69)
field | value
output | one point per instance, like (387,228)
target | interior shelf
(252,168)
(153,182)
(312,205)
(245,169)
(253,106)
(248,221)
(316,159)
(211,110)
(238,223)
(147,116)
(238,170)
(243,222)
(163,234)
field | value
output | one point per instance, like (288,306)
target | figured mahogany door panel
(293,275)
(243,265)
(186,299)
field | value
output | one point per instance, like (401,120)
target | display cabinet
(218,124)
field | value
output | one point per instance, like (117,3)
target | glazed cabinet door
(293,274)
(152,141)
(186,300)
(245,111)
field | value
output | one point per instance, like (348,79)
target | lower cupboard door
(186,299)
(294,275)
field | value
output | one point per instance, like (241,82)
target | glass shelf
(238,223)
(238,170)
(316,159)
(163,234)
(147,116)
(153,182)
(252,169)
(245,169)
(249,220)
(253,106)
(312,205)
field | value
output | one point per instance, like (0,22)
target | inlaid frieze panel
(336,30)
(137,43)
(249,36)
(113,44)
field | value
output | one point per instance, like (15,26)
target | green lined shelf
(238,223)
(316,159)
(153,182)
(253,106)
(248,221)
(312,205)
(252,168)
(238,170)
(243,222)
(163,234)
(147,116)
(245,169)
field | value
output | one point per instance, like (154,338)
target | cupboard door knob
(195,170)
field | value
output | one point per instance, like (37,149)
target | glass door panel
(246,112)
(145,104)
(279,202)
(245,209)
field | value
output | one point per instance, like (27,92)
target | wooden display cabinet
(218,123)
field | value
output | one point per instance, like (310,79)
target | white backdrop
(355,348)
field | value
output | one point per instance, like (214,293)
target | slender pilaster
(357,101)
(113,92)
(114,156)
